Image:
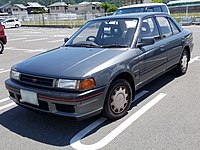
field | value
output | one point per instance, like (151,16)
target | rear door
(173,41)
(153,57)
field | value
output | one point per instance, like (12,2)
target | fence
(73,20)
(69,20)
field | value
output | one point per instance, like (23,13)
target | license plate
(29,97)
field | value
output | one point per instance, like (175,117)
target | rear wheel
(1,47)
(182,66)
(118,99)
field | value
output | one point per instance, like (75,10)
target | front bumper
(73,105)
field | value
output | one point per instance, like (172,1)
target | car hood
(67,62)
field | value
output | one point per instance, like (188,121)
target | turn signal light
(86,84)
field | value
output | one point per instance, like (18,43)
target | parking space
(166,114)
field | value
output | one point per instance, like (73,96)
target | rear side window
(164,9)
(150,9)
(11,20)
(175,29)
(164,26)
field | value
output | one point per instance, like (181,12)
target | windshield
(129,10)
(105,33)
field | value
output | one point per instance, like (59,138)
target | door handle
(162,47)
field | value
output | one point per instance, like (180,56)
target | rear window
(157,9)
(129,10)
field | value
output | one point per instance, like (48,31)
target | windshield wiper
(114,46)
(88,45)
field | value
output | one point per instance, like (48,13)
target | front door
(153,58)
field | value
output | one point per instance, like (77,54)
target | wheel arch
(187,48)
(128,77)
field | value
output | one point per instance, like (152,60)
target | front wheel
(182,66)
(118,99)
(1,47)
(16,26)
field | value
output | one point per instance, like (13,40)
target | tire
(4,27)
(16,26)
(118,100)
(1,47)
(182,66)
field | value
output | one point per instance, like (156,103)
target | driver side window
(149,29)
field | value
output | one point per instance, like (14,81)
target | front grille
(35,80)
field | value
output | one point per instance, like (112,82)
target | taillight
(1,30)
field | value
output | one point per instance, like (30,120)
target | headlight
(15,75)
(76,84)
(67,84)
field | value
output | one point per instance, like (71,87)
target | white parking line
(27,50)
(75,141)
(17,39)
(37,50)
(5,99)
(8,105)
(34,40)
(4,71)
(59,36)
(197,58)
(56,41)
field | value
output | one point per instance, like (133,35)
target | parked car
(11,23)
(186,21)
(196,21)
(138,8)
(3,38)
(101,66)
(2,19)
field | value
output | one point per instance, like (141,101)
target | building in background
(58,7)
(34,7)
(19,9)
(85,8)
(184,6)
(6,8)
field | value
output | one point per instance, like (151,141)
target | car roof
(143,5)
(132,15)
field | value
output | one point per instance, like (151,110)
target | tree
(112,8)
(157,1)
(105,6)
(108,7)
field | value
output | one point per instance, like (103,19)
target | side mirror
(146,41)
(66,39)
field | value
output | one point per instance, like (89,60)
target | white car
(11,22)
(146,7)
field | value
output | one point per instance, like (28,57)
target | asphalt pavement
(166,114)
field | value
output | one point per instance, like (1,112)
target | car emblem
(34,80)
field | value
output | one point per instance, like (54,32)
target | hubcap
(119,99)
(184,62)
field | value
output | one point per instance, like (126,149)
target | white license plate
(29,97)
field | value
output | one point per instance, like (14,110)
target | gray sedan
(101,66)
